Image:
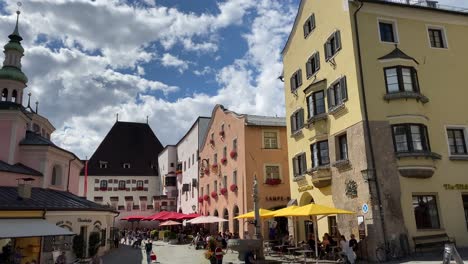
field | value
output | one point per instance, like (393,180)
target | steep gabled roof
(127,142)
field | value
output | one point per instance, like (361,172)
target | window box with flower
(206,171)
(271,181)
(206,197)
(214,166)
(200,199)
(212,142)
(223,191)
(233,188)
(224,160)
(233,154)
(214,194)
(221,133)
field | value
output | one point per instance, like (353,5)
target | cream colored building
(373,94)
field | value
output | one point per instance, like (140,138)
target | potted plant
(233,188)
(223,160)
(212,142)
(206,197)
(273,181)
(200,199)
(233,154)
(223,191)
(214,166)
(78,246)
(207,171)
(94,241)
(221,133)
(214,194)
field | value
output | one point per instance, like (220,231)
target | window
(333,45)
(215,186)
(4,95)
(337,93)
(185,167)
(401,79)
(103,185)
(299,164)
(272,172)
(208,189)
(234,144)
(437,38)
(122,185)
(343,147)
(296,80)
(465,207)
(316,104)
(193,159)
(172,164)
(171,181)
(139,185)
(126,165)
(224,152)
(309,25)
(425,212)
(143,206)
(129,206)
(224,181)
(319,153)
(387,31)
(313,65)
(297,120)
(215,158)
(103,164)
(410,138)
(14,96)
(189,163)
(234,177)
(56,176)
(332,226)
(270,140)
(457,143)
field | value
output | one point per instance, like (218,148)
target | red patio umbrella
(133,218)
(188,216)
(170,216)
(156,215)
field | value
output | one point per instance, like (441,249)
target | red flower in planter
(273,181)
(233,154)
(221,133)
(200,199)
(214,166)
(206,197)
(206,171)
(214,194)
(211,142)
(103,188)
(223,191)
(139,188)
(224,160)
(233,188)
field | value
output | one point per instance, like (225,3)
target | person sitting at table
(311,242)
(346,250)
(353,243)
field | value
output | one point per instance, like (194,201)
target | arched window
(235,212)
(14,96)
(36,128)
(56,175)
(103,185)
(4,94)
(225,216)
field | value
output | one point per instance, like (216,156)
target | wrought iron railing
(428,3)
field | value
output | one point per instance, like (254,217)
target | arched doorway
(235,212)
(225,216)
(215,227)
(309,225)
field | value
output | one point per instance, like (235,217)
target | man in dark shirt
(353,243)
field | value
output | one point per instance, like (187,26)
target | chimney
(24,188)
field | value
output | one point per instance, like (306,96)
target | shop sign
(277,198)
(84,220)
(60,223)
(305,188)
(456,186)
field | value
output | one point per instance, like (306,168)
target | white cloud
(206,70)
(140,70)
(169,60)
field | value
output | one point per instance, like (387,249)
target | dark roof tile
(19,168)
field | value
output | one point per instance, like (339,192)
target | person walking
(149,250)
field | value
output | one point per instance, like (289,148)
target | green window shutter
(337,40)
(299,78)
(309,68)
(301,119)
(306,28)
(329,99)
(325,50)
(344,89)
(414,77)
(317,61)
(292,82)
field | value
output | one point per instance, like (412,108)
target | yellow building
(374,91)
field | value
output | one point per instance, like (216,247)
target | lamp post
(257,233)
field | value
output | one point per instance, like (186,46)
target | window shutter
(303,163)
(317,61)
(312,21)
(294,163)
(299,78)
(329,99)
(325,49)
(337,40)
(309,68)
(306,28)
(344,89)
(291,118)
(309,106)
(301,119)
(293,83)
(414,77)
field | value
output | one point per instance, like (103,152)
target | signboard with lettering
(456,186)
(84,220)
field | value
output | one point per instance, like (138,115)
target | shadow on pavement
(124,255)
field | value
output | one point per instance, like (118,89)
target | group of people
(328,246)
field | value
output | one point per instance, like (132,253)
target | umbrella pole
(316,239)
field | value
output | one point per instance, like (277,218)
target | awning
(10,228)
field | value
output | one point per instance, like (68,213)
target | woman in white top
(346,250)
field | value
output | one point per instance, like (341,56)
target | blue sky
(170,60)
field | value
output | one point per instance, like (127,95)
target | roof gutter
(372,167)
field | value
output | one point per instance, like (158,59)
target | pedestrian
(219,254)
(353,243)
(149,250)
(61,259)
(249,257)
(346,250)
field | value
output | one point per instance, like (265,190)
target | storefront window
(426,212)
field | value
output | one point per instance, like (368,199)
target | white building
(167,161)
(123,171)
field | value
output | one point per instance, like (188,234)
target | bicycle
(387,251)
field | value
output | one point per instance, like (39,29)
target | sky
(168,60)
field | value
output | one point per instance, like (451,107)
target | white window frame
(395,29)
(277,138)
(126,165)
(280,176)
(444,36)
(103,164)
(465,134)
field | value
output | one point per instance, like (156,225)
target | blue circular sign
(365,208)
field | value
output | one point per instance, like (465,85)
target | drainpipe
(69,168)
(372,168)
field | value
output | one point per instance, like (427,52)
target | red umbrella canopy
(188,216)
(170,216)
(133,218)
(155,216)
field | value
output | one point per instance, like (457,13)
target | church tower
(12,79)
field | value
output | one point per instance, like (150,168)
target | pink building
(26,150)
(236,148)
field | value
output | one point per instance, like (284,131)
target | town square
(233,131)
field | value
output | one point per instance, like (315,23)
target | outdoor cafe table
(305,251)
(291,251)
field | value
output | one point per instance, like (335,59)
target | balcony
(428,4)
(321,176)
(419,165)
(406,95)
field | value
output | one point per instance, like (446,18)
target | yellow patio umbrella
(282,210)
(313,210)
(251,214)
